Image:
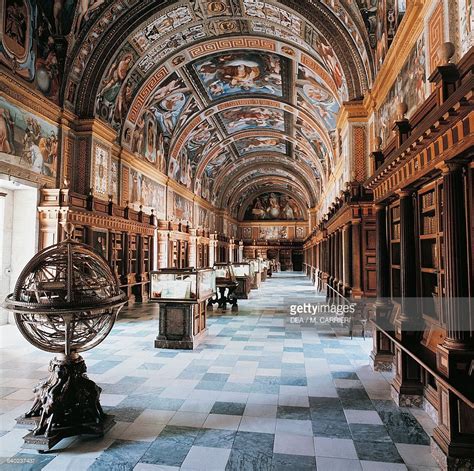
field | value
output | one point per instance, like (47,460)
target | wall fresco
(410,86)
(145,192)
(273,206)
(27,141)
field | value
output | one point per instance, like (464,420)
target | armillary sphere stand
(225,294)
(66,301)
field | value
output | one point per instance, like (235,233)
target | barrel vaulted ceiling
(230,98)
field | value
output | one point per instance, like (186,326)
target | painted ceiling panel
(240,72)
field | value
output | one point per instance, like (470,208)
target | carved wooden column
(346,255)
(163,244)
(335,283)
(356,259)
(457,351)
(341,262)
(407,389)
(381,356)
(212,249)
(192,251)
(330,263)
(231,250)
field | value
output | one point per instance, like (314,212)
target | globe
(66,299)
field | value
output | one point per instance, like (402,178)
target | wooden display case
(182,295)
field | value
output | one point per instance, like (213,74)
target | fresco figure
(273,206)
(7,132)
(240,72)
(84,9)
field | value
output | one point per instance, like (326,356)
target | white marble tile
(261,410)
(416,455)
(288,443)
(335,448)
(257,424)
(337,464)
(152,416)
(297,427)
(370,417)
(188,419)
(222,421)
(379,466)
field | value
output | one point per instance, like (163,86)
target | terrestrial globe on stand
(65,301)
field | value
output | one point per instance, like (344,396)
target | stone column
(381,357)
(457,351)
(356,259)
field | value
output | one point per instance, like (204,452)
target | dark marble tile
(357,404)
(151,366)
(124,414)
(210,385)
(218,377)
(326,408)
(240,338)
(330,428)
(403,427)
(122,455)
(292,349)
(102,366)
(344,375)
(171,446)
(167,354)
(228,408)
(293,381)
(253,348)
(215,438)
(238,387)
(251,451)
(265,388)
(376,451)
(295,413)
(370,433)
(151,400)
(293,462)
(26,462)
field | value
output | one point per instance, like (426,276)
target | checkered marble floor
(258,394)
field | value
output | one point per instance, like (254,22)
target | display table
(182,295)
(256,269)
(244,276)
(226,284)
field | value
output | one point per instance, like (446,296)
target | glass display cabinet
(244,275)
(256,264)
(265,269)
(226,283)
(182,294)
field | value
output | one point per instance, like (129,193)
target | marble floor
(260,393)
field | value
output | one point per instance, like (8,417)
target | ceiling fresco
(231,73)
(204,89)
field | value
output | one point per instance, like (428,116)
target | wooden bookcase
(430,249)
(394,234)
(116,252)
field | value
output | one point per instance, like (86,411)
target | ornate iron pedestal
(66,301)
(225,295)
(66,404)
